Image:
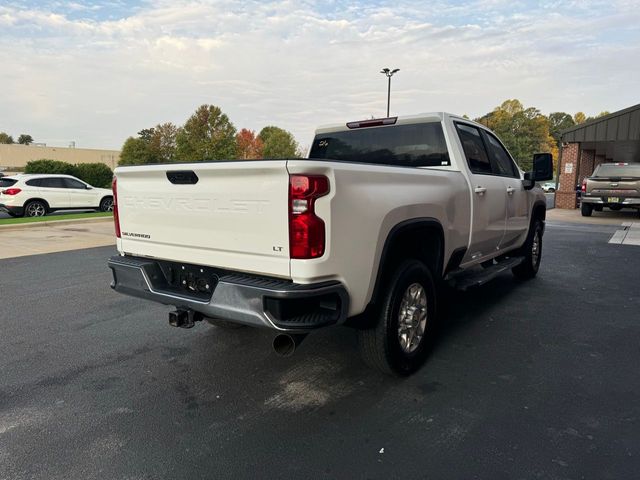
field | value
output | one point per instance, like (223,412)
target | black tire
(586,209)
(224,324)
(35,208)
(380,345)
(597,208)
(106,204)
(615,208)
(532,253)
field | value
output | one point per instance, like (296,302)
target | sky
(97,72)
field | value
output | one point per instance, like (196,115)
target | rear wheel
(406,322)
(532,253)
(597,208)
(615,208)
(35,208)
(586,209)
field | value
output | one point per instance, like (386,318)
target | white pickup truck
(362,233)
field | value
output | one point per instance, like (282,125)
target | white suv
(38,194)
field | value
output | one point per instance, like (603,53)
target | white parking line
(629,235)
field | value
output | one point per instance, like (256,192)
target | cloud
(97,72)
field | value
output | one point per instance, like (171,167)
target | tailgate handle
(182,177)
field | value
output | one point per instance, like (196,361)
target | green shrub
(49,166)
(96,174)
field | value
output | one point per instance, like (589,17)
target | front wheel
(406,322)
(35,208)
(586,209)
(106,204)
(532,253)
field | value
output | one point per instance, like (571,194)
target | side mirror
(528,181)
(88,187)
(542,167)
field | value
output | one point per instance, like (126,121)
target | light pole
(389,73)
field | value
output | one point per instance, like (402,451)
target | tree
(559,121)
(162,142)
(524,131)
(136,151)
(248,145)
(96,174)
(49,166)
(207,135)
(278,143)
(25,139)
(579,118)
(153,145)
(5,138)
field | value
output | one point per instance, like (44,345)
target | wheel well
(420,239)
(539,211)
(106,196)
(46,204)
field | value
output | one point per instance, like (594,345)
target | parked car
(549,187)
(612,185)
(35,195)
(363,233)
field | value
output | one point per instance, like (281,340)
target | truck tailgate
(614,186)
(234,215)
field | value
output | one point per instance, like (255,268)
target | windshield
(7,182)
(416,145)
(617,171)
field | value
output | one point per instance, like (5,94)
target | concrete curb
(24,226)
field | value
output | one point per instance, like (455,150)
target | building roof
(623,125)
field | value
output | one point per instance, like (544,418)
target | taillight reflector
(306,229)
(116,217)
(11,191)
(584,186)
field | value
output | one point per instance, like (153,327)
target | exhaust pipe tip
(285,344)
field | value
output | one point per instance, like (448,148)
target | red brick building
(612,138)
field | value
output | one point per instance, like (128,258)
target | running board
(468,279)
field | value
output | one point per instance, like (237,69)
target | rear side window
(415,145)
(7,182)
(500,159)
(474,150)
(53,182)
(34,182)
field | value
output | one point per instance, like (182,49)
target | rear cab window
(408,145)
(607,171)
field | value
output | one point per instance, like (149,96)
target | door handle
(510,190)
(480,190)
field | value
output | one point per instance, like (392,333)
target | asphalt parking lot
(528,380)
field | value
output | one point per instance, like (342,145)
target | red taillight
(584,186)
(306,230)
(116,218)
(11,191)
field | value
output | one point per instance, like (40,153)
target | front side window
(53,182)
(413,145)
(72,183)
(499,157)
(474,150)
